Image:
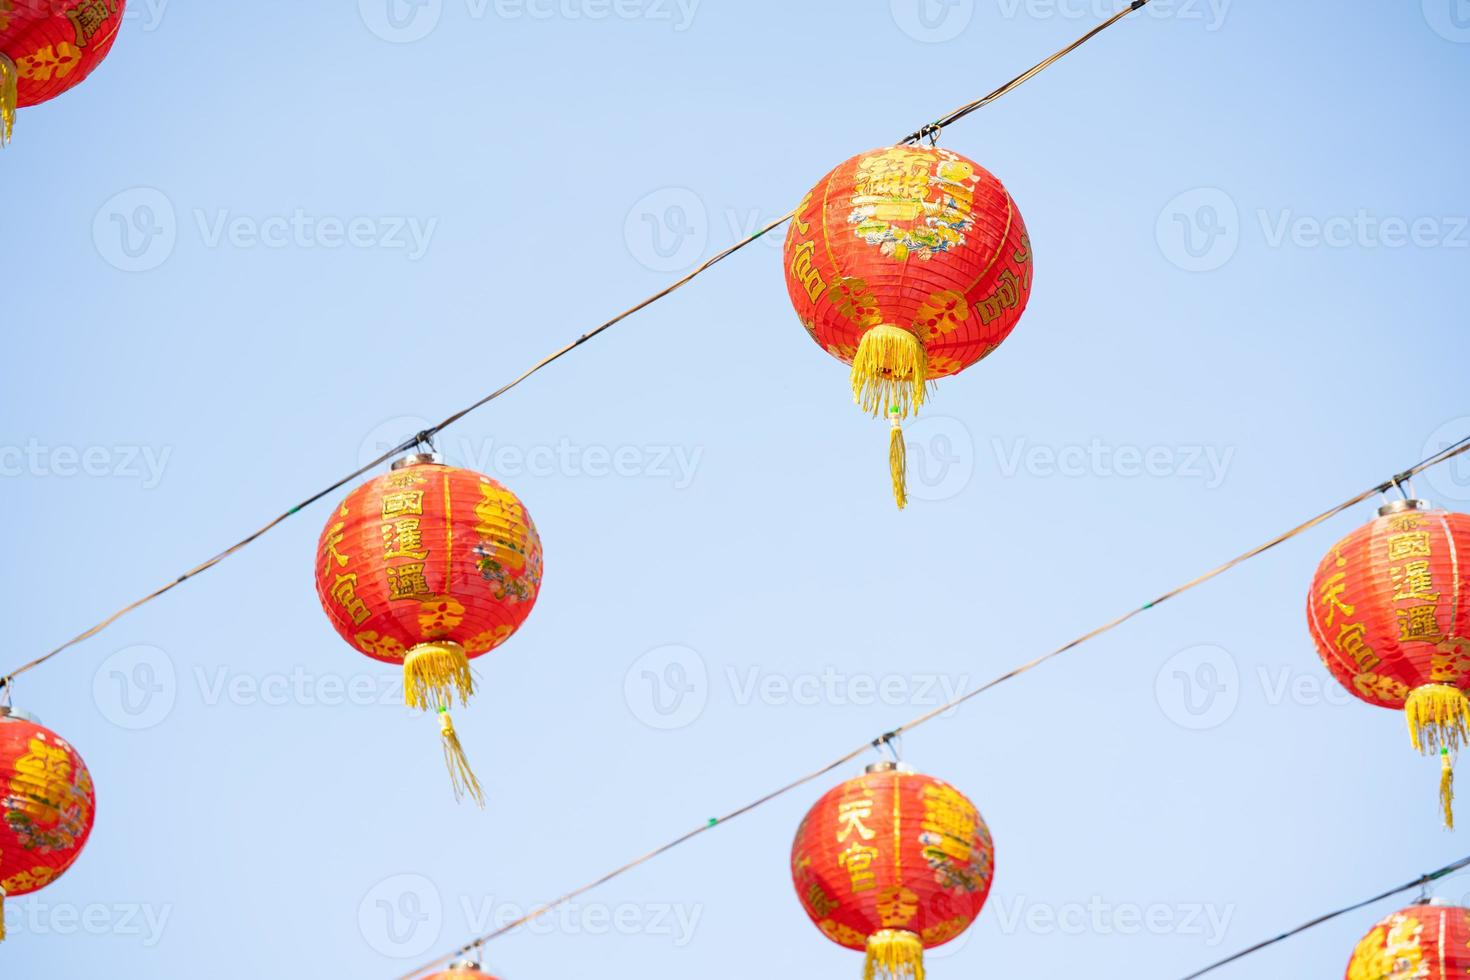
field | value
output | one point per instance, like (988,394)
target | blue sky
(265,240)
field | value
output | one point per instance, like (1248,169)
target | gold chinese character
(1413,580)
(407,581)
(344,591)
(949,822)
(850,816)
(858,860)
(1414,544)
(1332,591)
(403,502)
(1418,623)
(88,17)
(403,539)
(1350,640)
(334,537)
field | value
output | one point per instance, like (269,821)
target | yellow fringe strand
(894,954)
(889,370)
(898,464)
(9,96)
(460,774)
(1439,717)
(433,673)
(1447,788)
(2,906)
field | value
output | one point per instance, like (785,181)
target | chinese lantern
(430,566)
(1428,941)
(893,863)
(1391,619)
(48,46)
(909,263)
(46,803)
(461,970)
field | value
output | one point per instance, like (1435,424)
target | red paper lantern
(430,566)
(47,806)
(48,46)
(892,863)
(1390,614)
(910,263)
(1430,941)
(461,970)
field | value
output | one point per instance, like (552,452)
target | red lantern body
(49,46)
(1389,612)
(909,263)
(429,566)
(47,806)
(428,553)
(1422,942)
(893,862)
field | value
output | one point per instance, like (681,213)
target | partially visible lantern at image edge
(892,863)
(461,970)
(430,566)
(909,263)
(49,46)
(1390,616)
(47,807)
(1427,941)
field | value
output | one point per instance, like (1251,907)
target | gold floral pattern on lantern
(374,644)
(48,62)
(1392,951)
(439,616)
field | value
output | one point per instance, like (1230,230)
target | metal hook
(424,439)
(934,130)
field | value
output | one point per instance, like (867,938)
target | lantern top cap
(1400,506)
(8,713)
(418,459)
(887,766)
(466,965)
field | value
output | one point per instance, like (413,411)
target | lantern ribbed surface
(49,46)
(430,566)
(891,863)
(1390,615)
(1422,942)
(908,263)
(47,806)
(424,554)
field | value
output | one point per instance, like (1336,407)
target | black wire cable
(424,437)
(1328,917)
(887,738)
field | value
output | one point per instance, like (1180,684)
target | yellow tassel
(433,673)
(1439,717)
(9,80)
(898,463)
(1447,789)
(889,371)
(2,906)
(894,954)
(460,774)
